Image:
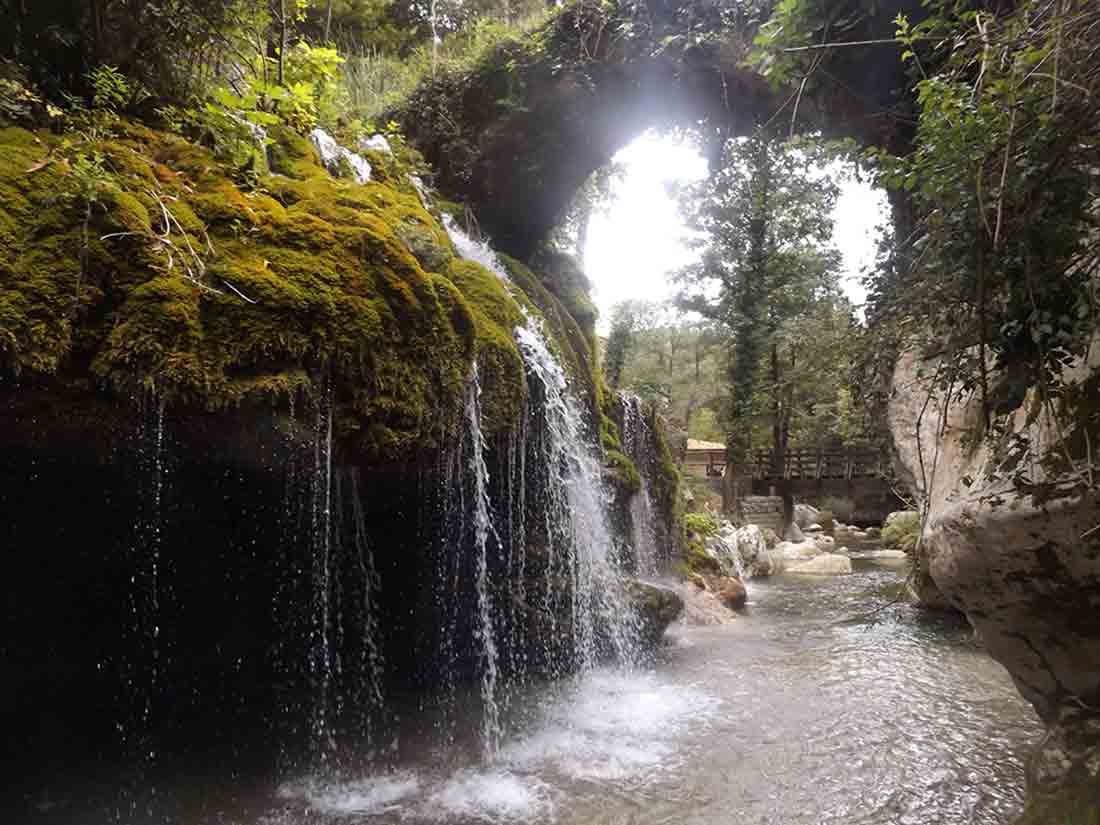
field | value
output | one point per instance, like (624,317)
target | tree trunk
(328,20)
(282,42)
(780,438)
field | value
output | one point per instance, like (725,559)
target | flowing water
(805,710)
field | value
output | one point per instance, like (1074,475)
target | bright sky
(632,248)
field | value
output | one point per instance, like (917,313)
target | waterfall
(474,250)
(144,677)
(484,531)
(575,506)
(638,445)
(333,156)
(538,485)
(370,694)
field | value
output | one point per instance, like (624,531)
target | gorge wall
(1011,539)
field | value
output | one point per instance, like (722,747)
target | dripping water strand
(484,532)
(320,650)
(370,652)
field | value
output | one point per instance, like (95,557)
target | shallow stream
(804,711)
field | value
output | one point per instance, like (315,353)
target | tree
(764,225)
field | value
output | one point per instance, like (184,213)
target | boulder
(805,515)
(885,554)
(796,551)
(1023,562)
(888,558)
(756,556)
(827,564)
(730,591)
(702,608)
(741,551)
(793,533)
(655,606)
(826,543)
(813,528)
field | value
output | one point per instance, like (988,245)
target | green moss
(211,294)
(292,155)
(623,472)
(665,482)
(566,337)
(495,315)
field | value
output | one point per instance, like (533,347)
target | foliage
(702,525)
(903,532)
(997,284)
(783,47)
(619,342)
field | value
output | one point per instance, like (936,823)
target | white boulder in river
(796,550)
(742,551)
(827,564)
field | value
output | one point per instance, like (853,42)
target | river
(823,703)
(804,710)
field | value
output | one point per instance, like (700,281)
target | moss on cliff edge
(139,262)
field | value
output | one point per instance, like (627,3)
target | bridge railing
(818,464)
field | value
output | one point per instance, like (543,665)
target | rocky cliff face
(1011,538)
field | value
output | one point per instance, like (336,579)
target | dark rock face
(1024,568)
(656,607)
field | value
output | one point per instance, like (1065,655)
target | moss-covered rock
(137,263)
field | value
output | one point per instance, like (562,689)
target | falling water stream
(638,443)
(484,533)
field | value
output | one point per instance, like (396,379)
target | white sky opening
(635,245)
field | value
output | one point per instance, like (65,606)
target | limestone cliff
(1011,538)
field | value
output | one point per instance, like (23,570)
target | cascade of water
(333,155)
(450,505)
(145,593)
(474,250)
(516,464)
(484,532)
(320,650)
(578,530)
(638,444)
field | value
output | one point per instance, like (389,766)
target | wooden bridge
(814,465)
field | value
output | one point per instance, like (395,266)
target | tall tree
(764,224)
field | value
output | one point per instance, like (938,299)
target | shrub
(902,532)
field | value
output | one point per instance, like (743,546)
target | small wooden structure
(706,459)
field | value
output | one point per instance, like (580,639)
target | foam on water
(490,796)
(373,795)
(604,727)
(611,725)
